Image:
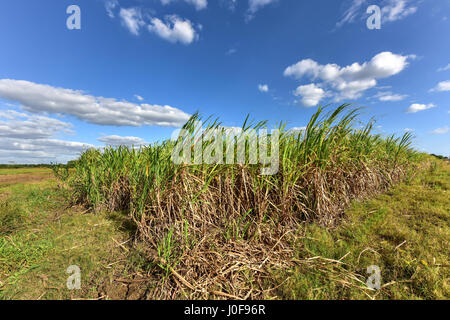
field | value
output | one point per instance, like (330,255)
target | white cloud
(444,68)
(198,4)
(352,12)
(29,138)
(139,97)
(389,96)
(132,19)
(174,29)
(25,126)
(11,114)
(263,87)
(310,94)
(255,5)
(443,130)
(38,98)
(115,140)
(391,10)
(396,10)
(39,150)
(110,5)
(442,86)
(416,107)
(351,81)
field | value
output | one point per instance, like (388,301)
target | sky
(133,71)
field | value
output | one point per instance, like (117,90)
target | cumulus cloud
(122,141)
(198,4)
(20,125)
(174,29)
(38,98)
(26,138)
(311,94)
(39,150)
(442,86)
(139,97)
(391,10)
(351,81)
(443,130)
(389,96)
(416,107)
(132,19)
(263,87)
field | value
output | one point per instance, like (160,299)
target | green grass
(405,232)
(24,171)
(40,238)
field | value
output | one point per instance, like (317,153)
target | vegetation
(217,229)
(30,166)
(225,231)
(40,236)
(404,231)
(23,170)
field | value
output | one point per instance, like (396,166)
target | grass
(343,199)
(24,171)
(40,237)
(404,231)
(194,217)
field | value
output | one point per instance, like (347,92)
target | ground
(405,232)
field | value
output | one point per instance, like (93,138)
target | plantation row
(222,225)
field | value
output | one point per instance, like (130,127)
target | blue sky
(136,70)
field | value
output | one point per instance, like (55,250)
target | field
(140,227)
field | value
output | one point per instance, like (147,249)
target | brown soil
(124,289)
(6,180)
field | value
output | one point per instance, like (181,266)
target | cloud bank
(31,138)
(39,98)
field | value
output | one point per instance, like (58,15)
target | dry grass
(217,231)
